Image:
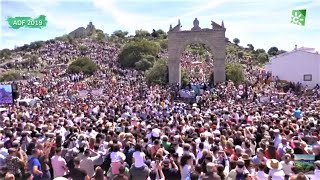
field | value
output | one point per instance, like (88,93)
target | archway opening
(196,64)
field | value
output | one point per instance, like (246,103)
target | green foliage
(185,78)
(82,64)
(142,33)
(10,76)
(62,38)
(198,49)
(100,37)
(143,65)
(258,51)
(240,54)
(155,34)
(251,47)
(164,44)
(158,74)
(273,51)
(236,41)
(120,34)
(262,58)
(30,61)
(5,54)
(83,49)
(134,51)
(161,32)
(231,49)
(234,72)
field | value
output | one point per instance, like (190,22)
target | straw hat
(274,164)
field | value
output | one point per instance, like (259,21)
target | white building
(300,65)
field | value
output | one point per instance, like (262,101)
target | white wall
(294,65)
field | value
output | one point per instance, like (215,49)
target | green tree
(273,51)
(100,37)
(5,54)
(262,58)
(258,51)
(31,60)
(134,51)
(251,47)
(36,45)
(164,44)
(185,78)
(231,49)
(236,41)
(158,74)
(143,65)
(234,72)
(142,33)
(155,34)
(161,32)
(120,34)
(10,76)
(82,64)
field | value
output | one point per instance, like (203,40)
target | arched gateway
(214,38)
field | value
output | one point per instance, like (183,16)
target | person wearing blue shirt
(297,113)
(34,165)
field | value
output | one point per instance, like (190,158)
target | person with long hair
(99,174)
(220,171)
(186,164)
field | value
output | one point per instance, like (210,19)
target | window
(307,77)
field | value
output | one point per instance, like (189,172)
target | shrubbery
(137,50)
(10,76)
(159,74)
(82,64)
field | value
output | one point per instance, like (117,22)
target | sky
(258,22)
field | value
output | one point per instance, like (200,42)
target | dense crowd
(139,132)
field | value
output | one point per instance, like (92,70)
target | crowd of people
(134,131)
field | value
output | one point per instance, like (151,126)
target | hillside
(31,56)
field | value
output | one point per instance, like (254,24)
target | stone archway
(214,38)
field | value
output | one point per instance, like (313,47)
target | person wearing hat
(287,165)
(275,171)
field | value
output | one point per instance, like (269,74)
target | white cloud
(133,21)
(64,21)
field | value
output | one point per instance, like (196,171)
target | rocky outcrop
(82,32)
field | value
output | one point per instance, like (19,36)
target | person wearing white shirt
(59,164)
(3,150)
(316,175)
(117,158)
(138,156)
(88,163)
(287,165)
(275,171)
(155,133)
(261,175)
